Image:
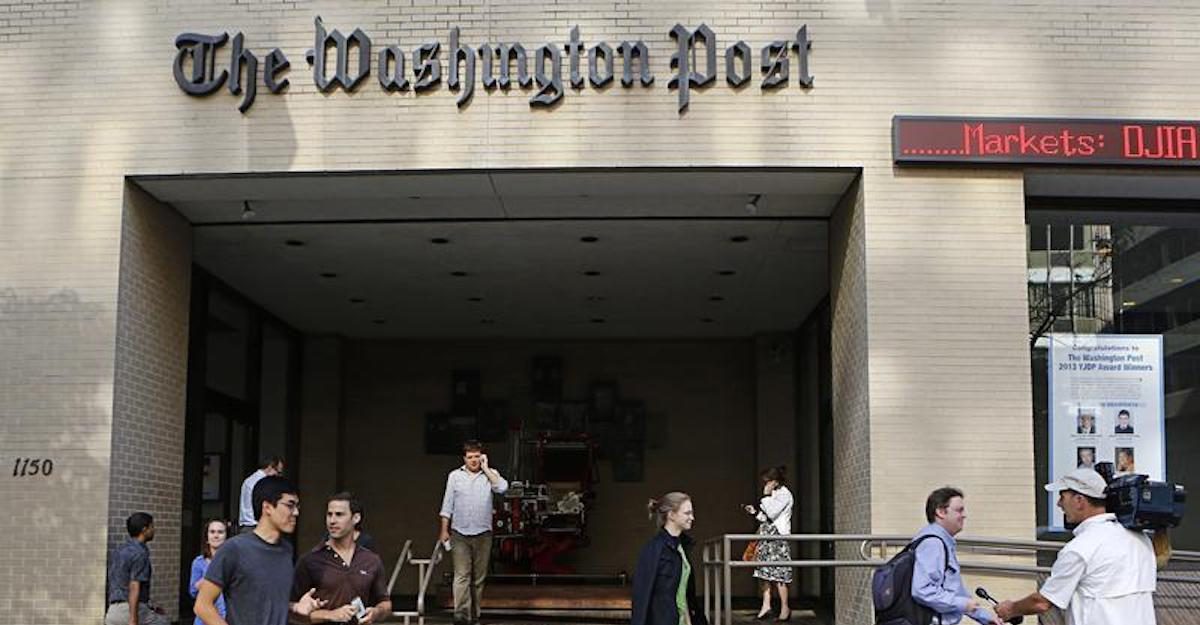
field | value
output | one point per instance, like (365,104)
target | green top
(681,593)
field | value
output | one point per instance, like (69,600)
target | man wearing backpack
(937,578)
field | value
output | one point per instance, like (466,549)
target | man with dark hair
(361,537)
(1123,426)
(347,576)
(254,569)
(937,577)
(129,577)
(1106,575)
(466,519)
(247,510)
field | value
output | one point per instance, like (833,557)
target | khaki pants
(118,614)
(470,555)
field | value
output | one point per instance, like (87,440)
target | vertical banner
(1106,405)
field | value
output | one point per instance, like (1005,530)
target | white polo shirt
(1104,576)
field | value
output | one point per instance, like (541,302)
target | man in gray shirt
(254,569)
(466,519)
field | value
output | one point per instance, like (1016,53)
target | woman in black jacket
(664,584)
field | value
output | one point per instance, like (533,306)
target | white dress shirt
(468,501)
(246,512)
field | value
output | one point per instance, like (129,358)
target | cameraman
(1105,575)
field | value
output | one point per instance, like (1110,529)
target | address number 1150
(32,467)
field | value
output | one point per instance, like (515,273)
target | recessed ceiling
(520,254)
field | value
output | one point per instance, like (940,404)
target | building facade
(931,270)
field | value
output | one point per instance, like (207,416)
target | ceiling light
(294,243)
(716,298)
(357,300)
(1128,304)
(752,204)
(328,274)
(741,238)
(597,320)
(1176,280)
(247,212)
(726,272)
(589,239)
(591,273)
(439,241)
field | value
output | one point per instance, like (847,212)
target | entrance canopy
(578,253)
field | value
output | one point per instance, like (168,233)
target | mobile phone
(360,610)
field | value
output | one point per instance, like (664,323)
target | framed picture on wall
(210,487)
(493,421)
(628,461)
(445,433)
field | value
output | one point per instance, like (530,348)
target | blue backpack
(891,588)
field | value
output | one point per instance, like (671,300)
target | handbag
(751,552)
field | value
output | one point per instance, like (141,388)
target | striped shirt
(468,501)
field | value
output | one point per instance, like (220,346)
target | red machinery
(540,520)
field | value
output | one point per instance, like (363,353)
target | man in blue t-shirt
(254,569)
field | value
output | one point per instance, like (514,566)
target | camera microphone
(982,593)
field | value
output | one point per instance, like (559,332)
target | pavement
(740,617)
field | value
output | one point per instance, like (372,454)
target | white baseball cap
(1083,480)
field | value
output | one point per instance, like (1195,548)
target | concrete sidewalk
(740,617)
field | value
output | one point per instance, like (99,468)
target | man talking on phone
(466,520)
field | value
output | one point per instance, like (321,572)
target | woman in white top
(774,512)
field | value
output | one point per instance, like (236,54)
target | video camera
(1139,503)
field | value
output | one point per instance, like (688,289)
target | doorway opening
(610,335)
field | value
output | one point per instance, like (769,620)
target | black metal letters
(597,77)
(392,76)
(550,88)
(202,51)
(242,57)
(734,77)
(341,74)
(573,49)
(629,53)
(426,66)
(275,63)
(465,55)
(684,60)
(196,66)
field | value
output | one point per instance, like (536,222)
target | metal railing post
(704,563)
(727,580)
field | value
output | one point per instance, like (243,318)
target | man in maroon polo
(341,570)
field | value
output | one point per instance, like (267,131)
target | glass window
(1137,274)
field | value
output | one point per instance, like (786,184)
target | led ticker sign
(1041,141)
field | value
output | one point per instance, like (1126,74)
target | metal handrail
(405,554)
(718,564)
(425,568)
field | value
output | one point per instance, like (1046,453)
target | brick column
(150,383)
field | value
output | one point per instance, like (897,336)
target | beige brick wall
(852,485)
(89,99)
(150,383)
